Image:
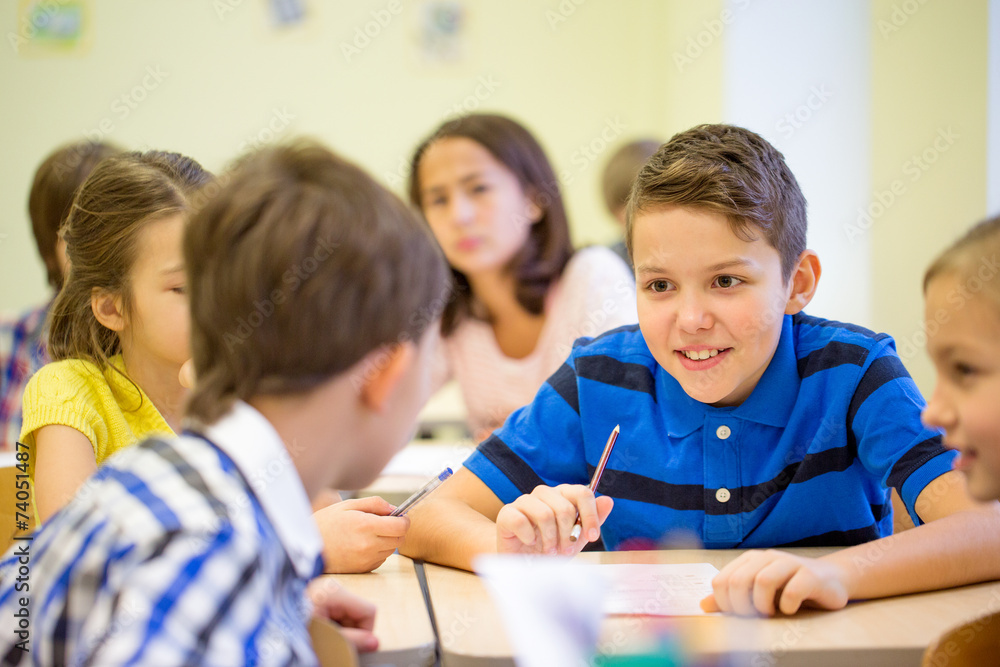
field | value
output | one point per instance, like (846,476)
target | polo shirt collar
(249,439)
(770,403)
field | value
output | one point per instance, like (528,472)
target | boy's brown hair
(541,260)
(732,171)
(620,172)
(121,196)
(56,181)
(969,254)
(299,267)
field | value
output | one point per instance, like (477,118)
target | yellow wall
(570,69)
(576,73)
(928,96)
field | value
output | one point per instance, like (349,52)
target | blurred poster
(287,13)
(46,27)
(442,32)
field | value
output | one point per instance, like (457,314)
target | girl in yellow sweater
(118,330)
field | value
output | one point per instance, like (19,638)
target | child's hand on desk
(765,582)
(541,522)
(358,535)
(356,617)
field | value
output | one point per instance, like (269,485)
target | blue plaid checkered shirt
(193,550)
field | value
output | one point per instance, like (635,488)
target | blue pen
(424,491)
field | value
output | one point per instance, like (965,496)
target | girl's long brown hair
(542,258)
(122,195)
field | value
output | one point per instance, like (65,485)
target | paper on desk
(550,606)
(657,590)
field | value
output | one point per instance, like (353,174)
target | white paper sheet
(657,590)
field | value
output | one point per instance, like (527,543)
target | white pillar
(798,74)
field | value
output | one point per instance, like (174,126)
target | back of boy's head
(621,169)
(123,193)
(969,255)
(300,267)
(731,171)
(57,180)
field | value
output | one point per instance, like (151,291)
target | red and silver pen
(596,479)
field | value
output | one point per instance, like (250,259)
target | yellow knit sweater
(105,406)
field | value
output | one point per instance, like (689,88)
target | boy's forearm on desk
(956,550)
(448,532)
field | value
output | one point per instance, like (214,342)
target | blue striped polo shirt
(806,460)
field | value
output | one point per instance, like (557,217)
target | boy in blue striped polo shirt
(315,296)
(743,420)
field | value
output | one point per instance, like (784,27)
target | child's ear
(803,282)
(108,309)
(534,210)
(385,366)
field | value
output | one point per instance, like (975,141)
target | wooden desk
(893,631)
(402,623)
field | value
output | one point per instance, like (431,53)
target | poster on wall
(442,27)
(47,28)
(287,13)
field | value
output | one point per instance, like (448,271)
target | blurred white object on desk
(445,415)
(416,463)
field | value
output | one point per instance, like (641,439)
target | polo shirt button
(723,432)
(723,495)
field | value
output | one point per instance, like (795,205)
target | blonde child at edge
(962,293)
(118,329)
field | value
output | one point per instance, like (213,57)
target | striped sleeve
(884,425)
(540,443)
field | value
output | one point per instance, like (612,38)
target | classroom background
(888,111)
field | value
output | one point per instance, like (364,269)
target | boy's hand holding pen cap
(421,493)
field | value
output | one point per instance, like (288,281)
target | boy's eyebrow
(646,268)
(176,268)
(738,262)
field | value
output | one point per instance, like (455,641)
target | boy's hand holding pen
(552,520)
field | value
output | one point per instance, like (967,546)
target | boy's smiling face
(710,304)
